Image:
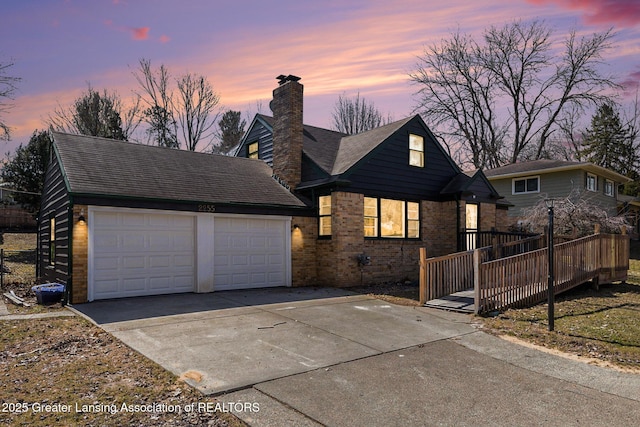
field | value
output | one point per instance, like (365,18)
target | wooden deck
(462,301)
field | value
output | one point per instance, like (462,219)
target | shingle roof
(99,166)
(354,147)
(321,145)
(534,165)
(548,166)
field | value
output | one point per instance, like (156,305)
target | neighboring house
(120,219)
(526,184)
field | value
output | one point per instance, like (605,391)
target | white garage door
(251,252)
(139,253)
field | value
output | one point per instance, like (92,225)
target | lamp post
(550,290)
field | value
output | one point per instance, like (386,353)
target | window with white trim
(394,219)
(609,189)
(370,217)
(416,150)
(529,184)
(592,182)
(324,213)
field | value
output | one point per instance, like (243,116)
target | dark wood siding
(264,137)
(55,203)
(386,170)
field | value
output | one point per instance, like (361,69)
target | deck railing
(519,275)
(522,280)
(452,273)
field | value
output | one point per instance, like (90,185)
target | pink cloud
(164,38)
(623,13)
(141,33)
(632,82)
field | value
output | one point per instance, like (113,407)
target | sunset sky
(336,46)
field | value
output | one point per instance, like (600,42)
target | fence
(516,273)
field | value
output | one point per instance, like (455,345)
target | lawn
(67,371)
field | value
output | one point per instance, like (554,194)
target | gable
(385,170)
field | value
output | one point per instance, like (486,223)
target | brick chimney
(287,130)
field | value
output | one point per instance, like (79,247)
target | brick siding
(80,261)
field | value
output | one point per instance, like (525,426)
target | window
(609,188)
(52,240)
(324,212)
(370,217)
(252,150)
(391,218)
(592,182)
(416,150)
(413,220)
(526,185)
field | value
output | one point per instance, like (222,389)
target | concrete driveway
(330,357)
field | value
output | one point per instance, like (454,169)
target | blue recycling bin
(48,293)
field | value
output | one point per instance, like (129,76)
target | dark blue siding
(386,170)
(55,203)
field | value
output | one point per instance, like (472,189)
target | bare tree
(157,103)
(355,115)
(191,112)
(574,214)
(508,94)
(196,107)
(7,88)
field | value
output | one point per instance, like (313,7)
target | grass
(64,362)
(68,362)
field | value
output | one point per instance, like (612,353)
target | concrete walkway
(328,357)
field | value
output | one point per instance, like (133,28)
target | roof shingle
(100,166)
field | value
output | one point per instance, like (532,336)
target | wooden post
(476,281)
(596,229)
(423,276)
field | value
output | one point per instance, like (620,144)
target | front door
(471,226)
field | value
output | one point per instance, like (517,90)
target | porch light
(296,227)
(550,290)
(81,218)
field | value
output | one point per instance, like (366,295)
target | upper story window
(324,213)
(389,218)
(609,189)
(592,182)
(416,150)
(252,150)
(526,185)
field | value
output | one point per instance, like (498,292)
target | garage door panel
(137,254)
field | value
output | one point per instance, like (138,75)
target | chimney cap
(282,79)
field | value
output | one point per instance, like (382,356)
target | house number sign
(206,208)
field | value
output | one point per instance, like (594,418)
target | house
(298,205)
(527,183)
(378,196)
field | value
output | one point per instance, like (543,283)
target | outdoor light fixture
(296,227)
(550,290)
(81,218)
